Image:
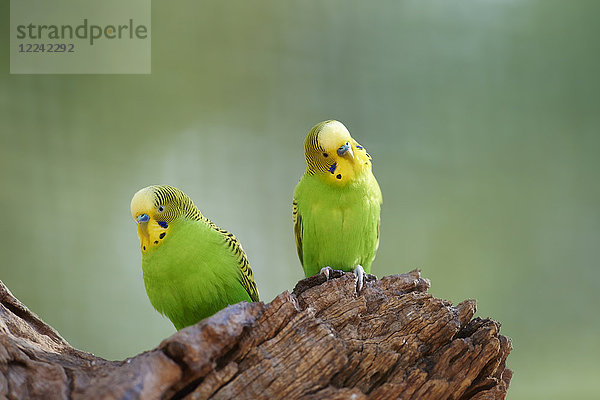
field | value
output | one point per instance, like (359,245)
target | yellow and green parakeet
(337,204)
(191,267)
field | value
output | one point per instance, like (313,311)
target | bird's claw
(360,278)
(358,271)
(326,271)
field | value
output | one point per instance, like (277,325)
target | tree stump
(323,341)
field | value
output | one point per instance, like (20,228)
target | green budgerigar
(191,267)
(337,204)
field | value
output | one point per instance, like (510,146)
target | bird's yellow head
(331,152)
(154,208)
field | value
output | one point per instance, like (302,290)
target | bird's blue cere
(343,149)
(142,218)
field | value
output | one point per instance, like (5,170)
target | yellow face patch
(151,234)
(150,217)
(343,167)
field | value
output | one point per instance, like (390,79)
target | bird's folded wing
(298,229)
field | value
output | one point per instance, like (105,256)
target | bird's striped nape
(316,157)
(183,205)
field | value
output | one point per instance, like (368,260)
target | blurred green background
(483,119)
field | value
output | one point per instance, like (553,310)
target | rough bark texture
(323,341)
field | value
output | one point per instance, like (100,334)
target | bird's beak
(142,221)
(346,149)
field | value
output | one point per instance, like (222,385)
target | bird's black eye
(325,154)
(161,208)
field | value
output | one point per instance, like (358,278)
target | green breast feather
(336,226)
(195,273)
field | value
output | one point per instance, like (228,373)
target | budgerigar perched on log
(191,267)
(336,205)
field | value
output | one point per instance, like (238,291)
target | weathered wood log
(323,341)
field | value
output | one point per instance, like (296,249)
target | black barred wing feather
(378,231)
(246,277)
(298,230)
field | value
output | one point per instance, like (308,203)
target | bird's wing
(378,226)
(298,229)
(246,277)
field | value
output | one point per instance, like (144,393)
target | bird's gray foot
(360,278)
(326,271)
